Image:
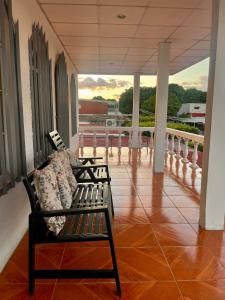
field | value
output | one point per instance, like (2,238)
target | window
(73,96)
(62,104)
(12,155)
(41,98)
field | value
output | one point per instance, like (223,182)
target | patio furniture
(57,144)
(86,170)
(88,219)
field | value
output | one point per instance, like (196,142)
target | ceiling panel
(117,30)
(76,29)
(68,1)
(146,43)
(196,52)
(155,31)
(71,13)
(137,58)
(125,2)
(82,50)
(115,42)
(98,41)
(109,14)
(165,16)
(202,45)
(109,50)
(175,3)
(194,33)
(141,51)
(79,41)
(83,57)
(110,57)
(199,18)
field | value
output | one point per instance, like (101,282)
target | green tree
(126,98)
(98,98)
(174,104)
(149,104)
(178,90)
(194,96)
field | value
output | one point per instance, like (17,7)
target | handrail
(186,135)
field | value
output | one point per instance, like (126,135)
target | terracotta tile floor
(161,252)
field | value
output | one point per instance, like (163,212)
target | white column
(212,206)
(135,116)
(161,107)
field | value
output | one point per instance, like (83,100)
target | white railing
(177,142)
(183,140)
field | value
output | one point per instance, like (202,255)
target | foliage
(200,146)
(98,98)
(174,104)
(177,126)
(183,127)
(178,90)
(184,116)
(194,96)
(147,101)
(103,99)
(126,98)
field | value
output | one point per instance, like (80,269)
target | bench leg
(112,207)
(114,262)
(31,259)
(31,268)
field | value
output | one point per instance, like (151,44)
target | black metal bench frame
(87,209)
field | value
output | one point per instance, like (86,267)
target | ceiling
(99,42)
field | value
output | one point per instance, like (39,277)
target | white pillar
(135,116)
(212,206)
(161,106)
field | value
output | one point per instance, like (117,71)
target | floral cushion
(65,192)
(64,157)
(74,161)
(46,185)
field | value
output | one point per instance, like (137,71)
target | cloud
(201,83)
(101,84)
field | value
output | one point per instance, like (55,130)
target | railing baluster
(140,138)
(94,139)
(185,152)
(171,152)
(167,143)
(178,156)
(107,139)
(129,139)
(151,140)
(81,139)
(119,140)
(195,156)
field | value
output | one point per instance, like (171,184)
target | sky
(111,86)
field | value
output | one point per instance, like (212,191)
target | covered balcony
(169,201)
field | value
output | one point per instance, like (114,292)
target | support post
(135,116)
(212,206)
(161,107)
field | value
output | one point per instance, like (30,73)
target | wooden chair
(88,219)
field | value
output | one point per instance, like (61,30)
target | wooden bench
(88,219)
(88,171)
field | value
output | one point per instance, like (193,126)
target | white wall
(14,206)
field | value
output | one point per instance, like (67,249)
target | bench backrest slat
(56,140)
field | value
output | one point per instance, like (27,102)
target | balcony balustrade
(178,144)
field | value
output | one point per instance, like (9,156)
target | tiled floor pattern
(161,252)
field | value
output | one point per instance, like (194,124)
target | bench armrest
(91,160)
(90,169)
(90,157)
